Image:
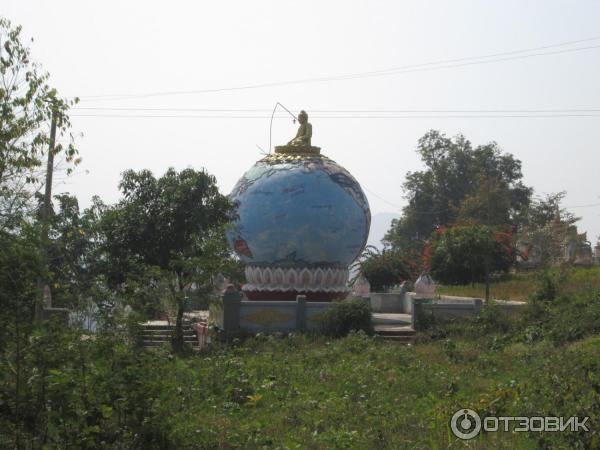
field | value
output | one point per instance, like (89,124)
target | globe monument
(302,220)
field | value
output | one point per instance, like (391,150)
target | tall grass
(521,286)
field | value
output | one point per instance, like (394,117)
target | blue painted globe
(301,212)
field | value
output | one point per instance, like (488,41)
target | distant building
(557,243)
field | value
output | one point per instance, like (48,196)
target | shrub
(548,284)
(383,269)
(458,255)
(342,317)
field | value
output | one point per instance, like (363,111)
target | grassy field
(360,393)
(521,286)
(311,392)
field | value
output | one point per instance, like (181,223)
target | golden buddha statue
(304,133)
(301,144)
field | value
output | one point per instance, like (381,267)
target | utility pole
(49,170)
(487,256)
(47,295)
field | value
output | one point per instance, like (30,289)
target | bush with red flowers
(459,254)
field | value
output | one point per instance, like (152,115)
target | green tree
(546,227)
(546,209)
(461,254)
(21,265)
(456,172)
(74,253)
(27,104)
(175,224)
(489,204)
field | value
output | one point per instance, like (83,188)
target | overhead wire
(454,116)
(592,205)
(344,111)
(366,114)
(433,65)
(381,198)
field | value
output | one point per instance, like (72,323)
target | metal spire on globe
(302,220)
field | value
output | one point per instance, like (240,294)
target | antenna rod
(271,124)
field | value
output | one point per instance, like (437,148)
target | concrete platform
(391,329)
(392,319)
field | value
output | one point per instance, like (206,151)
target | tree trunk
(487,279)
(178,335)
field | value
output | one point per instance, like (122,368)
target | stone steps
(402,337)
(394,330)
(155,334)
(147,343)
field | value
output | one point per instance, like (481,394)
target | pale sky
(139,47)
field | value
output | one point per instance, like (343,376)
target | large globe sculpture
(303,219)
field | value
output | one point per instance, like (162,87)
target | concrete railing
(425,311)
(256,316)
(401,302)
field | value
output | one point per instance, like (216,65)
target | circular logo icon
(465,424)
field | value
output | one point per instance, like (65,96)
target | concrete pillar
(231,309)
(301,312)
(417,312)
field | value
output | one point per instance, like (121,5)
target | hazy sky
(138,47)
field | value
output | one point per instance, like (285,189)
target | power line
(349,111)
(433,65)
(401,208)
(462,116)
(583,206)
(381,198)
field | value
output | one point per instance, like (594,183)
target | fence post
(418,313)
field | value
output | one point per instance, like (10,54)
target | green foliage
(456,172)
(27,103)
(167,231)
(83,392)
(543,211)
(173,222)
(460,254)
(550,315)
(345,316)
(74,256)
(20,267)
(548,284)
(298,391)
(546,228)
(489,204)
(383,269)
